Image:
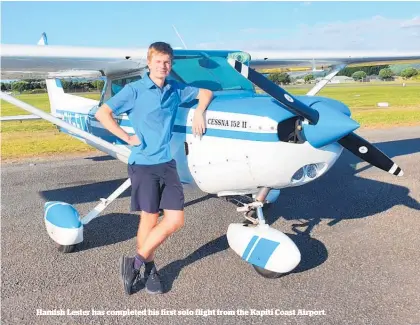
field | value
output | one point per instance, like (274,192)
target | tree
(98,84)
(279,78)
(309,77)
(20,86)
(359,75)
(409,72)
(5,86)
(385,74)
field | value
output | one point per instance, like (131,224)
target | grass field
(41,138)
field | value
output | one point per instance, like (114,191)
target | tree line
(383,72)
(39,85)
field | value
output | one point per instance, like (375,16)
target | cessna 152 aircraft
(254,144)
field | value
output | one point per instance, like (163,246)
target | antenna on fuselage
(179,36)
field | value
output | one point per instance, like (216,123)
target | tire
(66,248)
(267,274)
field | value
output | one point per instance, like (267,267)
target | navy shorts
(155,187)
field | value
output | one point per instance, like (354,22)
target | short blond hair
(160,47)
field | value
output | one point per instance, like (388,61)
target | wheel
(66,248)
(266,273)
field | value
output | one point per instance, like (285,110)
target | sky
(217,25)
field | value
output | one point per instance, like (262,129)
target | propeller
(352,142)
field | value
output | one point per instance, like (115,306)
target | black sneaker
(152,280)
(128,273)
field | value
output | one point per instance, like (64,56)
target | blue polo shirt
(151,111)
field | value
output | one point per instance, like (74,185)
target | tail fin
(59,101)
(43,40)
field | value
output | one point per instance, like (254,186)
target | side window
(118,84)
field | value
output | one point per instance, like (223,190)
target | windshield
(211,72)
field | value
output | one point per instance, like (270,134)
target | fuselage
(241,150)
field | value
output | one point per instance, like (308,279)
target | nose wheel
(267,274)
(251,220)
(66,248)
(253,217)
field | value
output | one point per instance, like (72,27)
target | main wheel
(66,248)
(267,274)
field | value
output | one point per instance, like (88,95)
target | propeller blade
(291,103)
(369,153)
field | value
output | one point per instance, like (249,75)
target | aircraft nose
(332,125)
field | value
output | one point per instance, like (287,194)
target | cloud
(375,33)
(263,30)
(412,23)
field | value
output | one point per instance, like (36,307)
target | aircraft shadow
(343,194)
(114,228)
(85,193)
(313,253)
(100,158)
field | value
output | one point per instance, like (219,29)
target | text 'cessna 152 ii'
(254,145)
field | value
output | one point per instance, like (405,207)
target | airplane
(254,146)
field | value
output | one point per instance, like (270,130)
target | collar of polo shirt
(150,84)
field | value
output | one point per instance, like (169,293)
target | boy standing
(151,105)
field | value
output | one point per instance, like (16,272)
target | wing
(306,59)
(41,62)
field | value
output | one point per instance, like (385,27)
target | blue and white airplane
(254,145)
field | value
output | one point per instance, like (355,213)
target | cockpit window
(118,84)
(209,72)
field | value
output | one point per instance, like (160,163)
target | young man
(151,105)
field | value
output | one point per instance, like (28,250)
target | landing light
(311,170)
(298,175)
(308,172)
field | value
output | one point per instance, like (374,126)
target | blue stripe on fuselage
(239,135)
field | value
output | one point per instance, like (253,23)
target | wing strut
(317,88)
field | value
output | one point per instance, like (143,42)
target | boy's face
(160,65)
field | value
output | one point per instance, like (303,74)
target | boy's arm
(120,103)
(104,115)
(204,98)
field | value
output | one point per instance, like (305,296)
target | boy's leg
(147,222)
(172,221)
(172,201)
(145,196)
